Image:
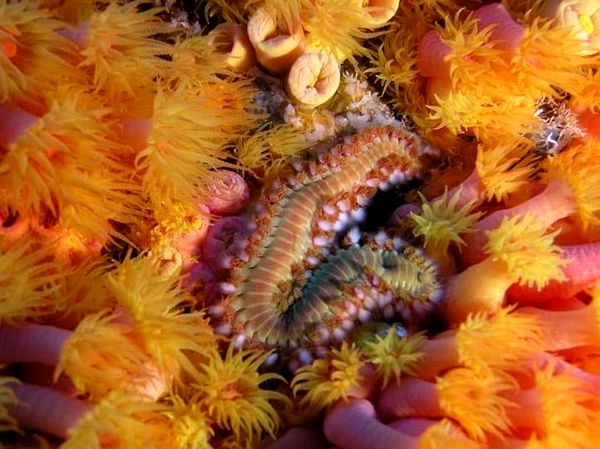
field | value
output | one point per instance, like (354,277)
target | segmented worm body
(291,284)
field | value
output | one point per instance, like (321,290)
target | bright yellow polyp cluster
(336,26)
(527,250)
(117,121)
(27,277)
(504,168)
(502,342)
(156,301)
(467,42)
(100,369)
(475,401)
(33,55)
(230,391)
(441,223)
(393,356)
(326,381)
(568,415)
(190,426)
(121,421)
(268,149)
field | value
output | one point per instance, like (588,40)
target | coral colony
(273,224)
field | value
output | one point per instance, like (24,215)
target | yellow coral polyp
(337,27)
(527,250)
(229,390)
(501,342)
(190,128)
(268,149)
(441,223)
(476,401)
(28,277)
(33,56)
(156,301)
(503,168)
(121,420)
(326,381)
(103,355)
(393,356)
(120,51)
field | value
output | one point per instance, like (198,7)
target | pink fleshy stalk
(228,193)
(32,343)
(14,122)
(300,438)
(438,355)
(46,410)
(506,34)
(582,271)
(354,425)
(223,241)
(368,384)
(590,383)
(566,329)
(412,397)
(470,190)
(431,56)
(412,426)
(556,201)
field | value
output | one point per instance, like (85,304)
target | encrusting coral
(309,223)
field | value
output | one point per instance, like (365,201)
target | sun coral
(34,58)
(475,400)
(441,223)
(548,58)
(267,150)
(155,300)
(121,421)
(103,355)
(313,78)
(337,27)
(229,390)
(28,277)
(277,36)
(62,164)
(393,356)
(120,51)
(579,168)
(188,130)
(326,381)
(519,250)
